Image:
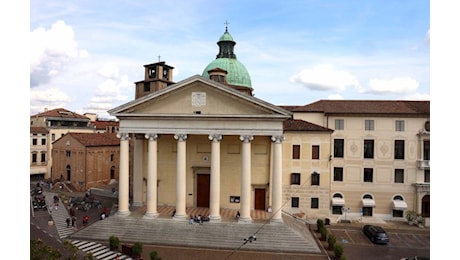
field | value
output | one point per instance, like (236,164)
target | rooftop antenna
(159,57)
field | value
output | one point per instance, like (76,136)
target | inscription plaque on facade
(198,99)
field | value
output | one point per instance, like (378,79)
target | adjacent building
(86,160)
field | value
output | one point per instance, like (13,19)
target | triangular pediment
(199,96)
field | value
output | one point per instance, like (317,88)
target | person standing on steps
(67,220)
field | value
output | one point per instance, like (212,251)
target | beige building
(57,122)
(380,156)
(86,160)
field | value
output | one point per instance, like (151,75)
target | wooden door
(259,197)
(202,190)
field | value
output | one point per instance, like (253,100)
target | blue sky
(86,55)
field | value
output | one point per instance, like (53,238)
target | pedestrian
(72,212)
(73,221)
(56,205)
(67,220)
(85,220)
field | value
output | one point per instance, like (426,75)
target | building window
(339,124)
(369,149)
(315,178)
(111,157)
(43,141)
(338,148)
(399,125)
(295,178)
(426,150)
(368,174)
(315,152)
(369,125)
(34,141)
(53,137)
(146,86)
(296,151)
(338,174)
(314,203)
(399,175)
(399,149)
(43,155)
(427,176)
(34,158)
(294,202)
(67,154)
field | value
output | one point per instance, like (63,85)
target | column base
(123,213)
(245,220)
(151,215)
(215,218)
(179,217)
(137,204)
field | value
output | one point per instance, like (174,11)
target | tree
(39,251)
(154,256)
(137,249)
(114,242)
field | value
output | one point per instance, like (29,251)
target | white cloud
(50,98)
(418,96)
(392,86)
(325,77)
(335,97)
(51,51)
(109,71)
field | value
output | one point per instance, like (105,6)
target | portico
(233,138)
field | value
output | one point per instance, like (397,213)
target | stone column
(277,182)
(152,177)
(138,171)
(181,176)
(214,205)
(245,200)
(123,182)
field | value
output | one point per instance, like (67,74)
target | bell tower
(157,76)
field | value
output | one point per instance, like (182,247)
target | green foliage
(39,251)
(323,232)
(114,242)
(154,256)
(331,241)
(72,248)
(338,250)
(137,249)
(319,224)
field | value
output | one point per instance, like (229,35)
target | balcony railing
(423,164)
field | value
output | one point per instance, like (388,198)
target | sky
(86,56)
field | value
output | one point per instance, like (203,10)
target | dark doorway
(202,190)
(259,196)
(426,206)
(112,172)
(68,172)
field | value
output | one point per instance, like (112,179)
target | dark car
(376,234)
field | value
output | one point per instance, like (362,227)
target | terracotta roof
(96,139)
(103,124)
(290,108)
(38,130)
(60,112)
(300,125)
(367,107)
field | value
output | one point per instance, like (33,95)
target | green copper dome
(237,74)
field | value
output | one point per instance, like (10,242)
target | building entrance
(259,196)
(202,190)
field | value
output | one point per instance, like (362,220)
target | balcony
(423,164)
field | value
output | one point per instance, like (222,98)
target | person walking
(67,220)
(73,221)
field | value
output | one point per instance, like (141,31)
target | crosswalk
(59,215)
(99,251)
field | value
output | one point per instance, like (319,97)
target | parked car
(376,234)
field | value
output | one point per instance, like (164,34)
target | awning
(338,201)
(399,205)
(368,203)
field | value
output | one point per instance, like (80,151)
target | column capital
(215,137)
(246,138)
(277,138)
(123,136)
(180,137)
(151,137)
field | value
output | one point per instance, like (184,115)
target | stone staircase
(218,235)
